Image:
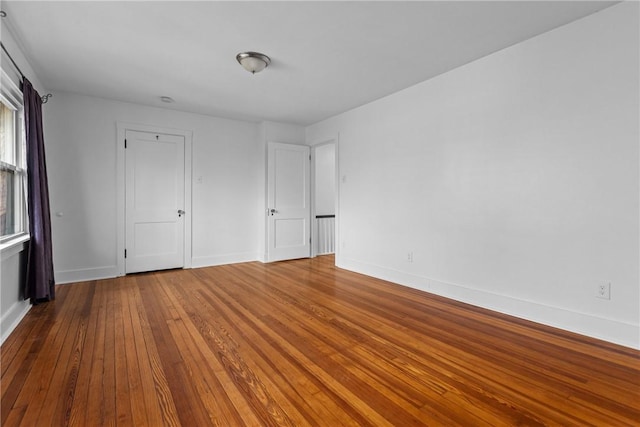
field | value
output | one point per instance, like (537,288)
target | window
(12,162)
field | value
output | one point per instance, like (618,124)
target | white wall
(15,49)
(283,132)
(81,156)
(512,179)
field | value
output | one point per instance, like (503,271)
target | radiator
(325,224)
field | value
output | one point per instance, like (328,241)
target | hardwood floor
(299,343)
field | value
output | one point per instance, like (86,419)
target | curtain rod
(44,98)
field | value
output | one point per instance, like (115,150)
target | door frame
(122,127)
(314,232)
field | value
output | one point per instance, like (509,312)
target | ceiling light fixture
(253,62)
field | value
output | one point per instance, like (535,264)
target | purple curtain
(40,285)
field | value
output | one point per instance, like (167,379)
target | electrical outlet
(410,257)
(604,290)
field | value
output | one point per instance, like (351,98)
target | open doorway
(324,194)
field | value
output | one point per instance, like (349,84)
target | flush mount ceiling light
(253,62)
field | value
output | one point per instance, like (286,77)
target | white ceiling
(327,57)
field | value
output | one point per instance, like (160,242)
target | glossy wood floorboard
(299,343)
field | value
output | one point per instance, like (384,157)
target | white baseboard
(85,274)
(12,318)
(610,330)
(210,261)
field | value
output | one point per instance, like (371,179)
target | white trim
(10,91)
(122,127)
(14,245)
(610,330)
(14,315)
(120,198)
(235,258)
(338,240)
(86,274)
(11,96)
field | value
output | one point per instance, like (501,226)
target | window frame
(11,96)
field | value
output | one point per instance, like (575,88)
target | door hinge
(309,157)
(125,253)
(125,143)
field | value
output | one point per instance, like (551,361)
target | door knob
(272,211)
(180,212)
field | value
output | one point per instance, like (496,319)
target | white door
(154,205)
(288,202)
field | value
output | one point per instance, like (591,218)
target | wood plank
(145,354)
(80,391)
(123,384)
(56,347)
(68,378)
(202,362)
(300,343)
(162,394)
(189,408)
(25,353)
